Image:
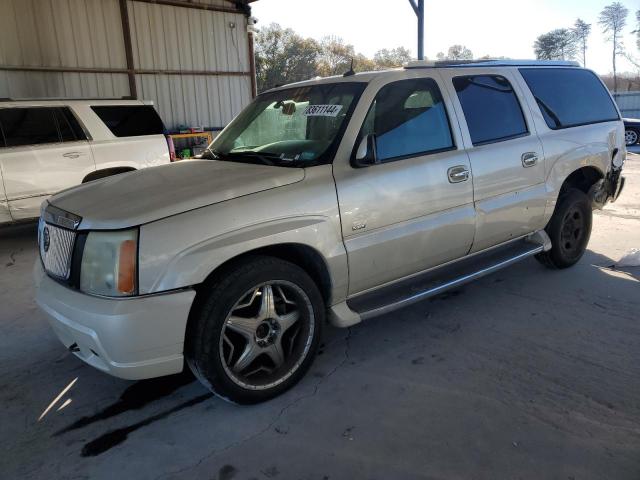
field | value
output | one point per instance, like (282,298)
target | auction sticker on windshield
(322,110)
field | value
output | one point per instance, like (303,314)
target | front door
(414,209)
(44,151)
(506,155)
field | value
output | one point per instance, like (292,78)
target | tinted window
(70,129)
(28,126)
(408,118)
(569,96)
(130,121)
(491,108)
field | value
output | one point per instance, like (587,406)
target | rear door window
(28,126)
(491,108)
(569,97)
(130,120)
(70,129)
(408,118)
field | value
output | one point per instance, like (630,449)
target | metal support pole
(128,49)
(418,8)
(420,29)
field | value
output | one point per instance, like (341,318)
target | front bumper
(133,338)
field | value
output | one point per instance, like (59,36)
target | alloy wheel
(630,137)
(267,335)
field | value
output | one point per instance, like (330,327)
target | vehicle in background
(631,131)
(50,145)
(343,198)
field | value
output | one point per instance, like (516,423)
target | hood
(139,197)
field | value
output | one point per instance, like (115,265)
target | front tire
(257,331)
(569,230)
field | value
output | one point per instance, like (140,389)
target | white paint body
(31,173)
(371,226)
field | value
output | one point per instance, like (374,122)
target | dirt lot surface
(525,374)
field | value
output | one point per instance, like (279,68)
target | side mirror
(366,154)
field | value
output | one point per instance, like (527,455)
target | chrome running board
(438,280)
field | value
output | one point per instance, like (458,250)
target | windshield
(296,127)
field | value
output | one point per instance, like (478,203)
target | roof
(491,63)
(421,64)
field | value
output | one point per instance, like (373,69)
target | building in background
(192,59)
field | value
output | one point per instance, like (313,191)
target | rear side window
(569,97)
(491,108)
(70,129)
(130,120)
(28,126)
(408,118)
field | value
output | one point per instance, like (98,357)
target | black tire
(569,230)
(205,345)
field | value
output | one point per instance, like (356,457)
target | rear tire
(569,230)
(257,331)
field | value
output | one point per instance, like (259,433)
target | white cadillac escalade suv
(336,199)
(50,145)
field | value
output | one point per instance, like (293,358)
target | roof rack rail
(491,63)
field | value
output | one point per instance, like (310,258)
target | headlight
(109,263)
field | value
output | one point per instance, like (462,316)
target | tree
(559,44)
(637,30)
(456,52)
(581,31)
(396,57)
(613,19)
(335,56)
(283,56)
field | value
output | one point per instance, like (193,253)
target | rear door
(45,151)
(506,154)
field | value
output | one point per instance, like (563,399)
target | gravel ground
(525,374)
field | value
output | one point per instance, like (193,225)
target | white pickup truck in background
(50,145)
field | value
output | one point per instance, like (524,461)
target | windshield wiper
(266,158)
(214,155)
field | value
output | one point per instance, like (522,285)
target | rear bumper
(133,338)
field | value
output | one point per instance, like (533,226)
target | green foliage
(581,31)
(456,52)
(283,56)
(613,18)
(558,44)
(395,57)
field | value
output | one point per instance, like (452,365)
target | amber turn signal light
(127,267)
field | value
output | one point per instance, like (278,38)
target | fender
(183,250)
(592,147)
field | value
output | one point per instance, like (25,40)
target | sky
(487,27)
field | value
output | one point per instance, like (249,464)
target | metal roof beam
(418,8)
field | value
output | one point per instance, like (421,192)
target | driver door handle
(529,159)
(457,174)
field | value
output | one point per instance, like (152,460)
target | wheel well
(303,256)
(582,179)
(107,172)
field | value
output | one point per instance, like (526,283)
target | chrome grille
(56,249)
